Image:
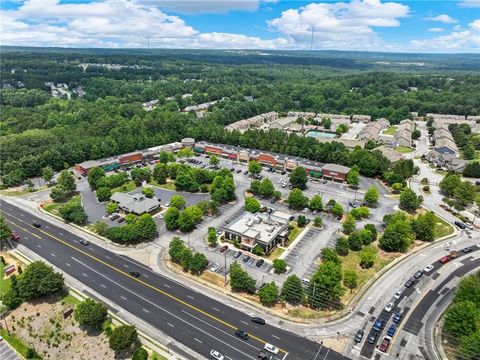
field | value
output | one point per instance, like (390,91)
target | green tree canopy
(298,178)
(90,313)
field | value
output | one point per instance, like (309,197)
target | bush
(342,246)
(148,192)
(90,313)
(279,266)
(122,337)
(268,294)
(39,280)
(103,194)
(368,256)
(140,354)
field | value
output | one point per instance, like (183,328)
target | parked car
(398,294)
(352,204)
(410,282)
(273,201)
(37,225)
(378,325)
(259,263)
(258,320)
(418,274)
(391,330)
(384,345)
(245,172)
(14,236)
(372,338)
(223,248)
(428,268)
(271,348)
(219,232)
(214,267)
(242,334)
(397,318)
(237,254)
(121,220)
(305,210)
(84,242)
(467,250)
(238,171)
(264,356)
(246,258)
(460,224)
(444,259)
(389,307)
(359,336)
(114,217)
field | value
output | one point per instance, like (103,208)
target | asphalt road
(199,322)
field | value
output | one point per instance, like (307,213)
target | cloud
(340,25)
(436,29)
(467,39)
(469,3)
(444,18)
(207,6)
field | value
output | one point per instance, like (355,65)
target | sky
(429,26)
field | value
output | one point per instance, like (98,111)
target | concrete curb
(157,347)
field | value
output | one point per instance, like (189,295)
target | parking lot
(6,352)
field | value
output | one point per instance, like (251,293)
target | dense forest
(39,130)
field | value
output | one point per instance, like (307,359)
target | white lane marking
(84,274)
(123,297)
(170,324)
(197,340)
(125,265)
(103,286)
(39,246)
(68,264)
(61,234)
(173,315)
(167,286)
(46,227)
(22,215)
(276,337)
(53,254)
(108,257)
(326,354)
(146,276)
(243,322)
(214,308)
(190,297)
(148,312)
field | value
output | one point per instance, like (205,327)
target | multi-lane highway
(193,319)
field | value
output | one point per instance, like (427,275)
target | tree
(279,266)
(140,354)
(316,203)
(103,194)
(39,280)
(214,160)
(73,211)
(266,188)
(301,221)
(409,201)
(240,280)
(59,194)
(355,241)
(94,175)
(160,173)
(277,195)
(469,289)
(166,157)
(349,224)
(325,289)
(449,183)
(176,249)
(292,290)
(111,207)
(298,178)
(368,255)
(100,228)
(350,279)
(148,192)
(469,151)
(5,231)
(353,178)
(337,209)
(252,205)
(465,193)
(185,152)
(372,229)
(144,227)
(268,294)
(139,175)
(212,237)
(424,226)
(171,218)
(198,264)
(462,318)
(67,181)
(318,221)
(122,337)
(11,297)
(342,246)
(90,313)
(471,345)
(329,254)
(47,174)
(186,260)
(327,123)
(188,218)
(178,202)
(397,236)
(296,199)
(472,170)
(371,196)
(254,168)
(360,212)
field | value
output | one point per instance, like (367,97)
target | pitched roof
(389,153)
(336,168)
(136,203)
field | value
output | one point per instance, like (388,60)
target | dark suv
(242,334)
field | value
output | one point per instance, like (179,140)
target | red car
(223,248)
(15,236)
(444,259)
(384,345)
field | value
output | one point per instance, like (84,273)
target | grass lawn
(403,149)
(391,130)
(275,254)
(293,233)
(14,342)
(352,262)
(442,228)
(156,356)
(4,283)
(125,188)
(53,207)
(167,186)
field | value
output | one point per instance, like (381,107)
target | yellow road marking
(136,279)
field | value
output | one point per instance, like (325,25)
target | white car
(214,267)
(389,307)
(271,348)
(398,294)
(160,216)
(216,355)
(428,268)
(468,225)
(305,210)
